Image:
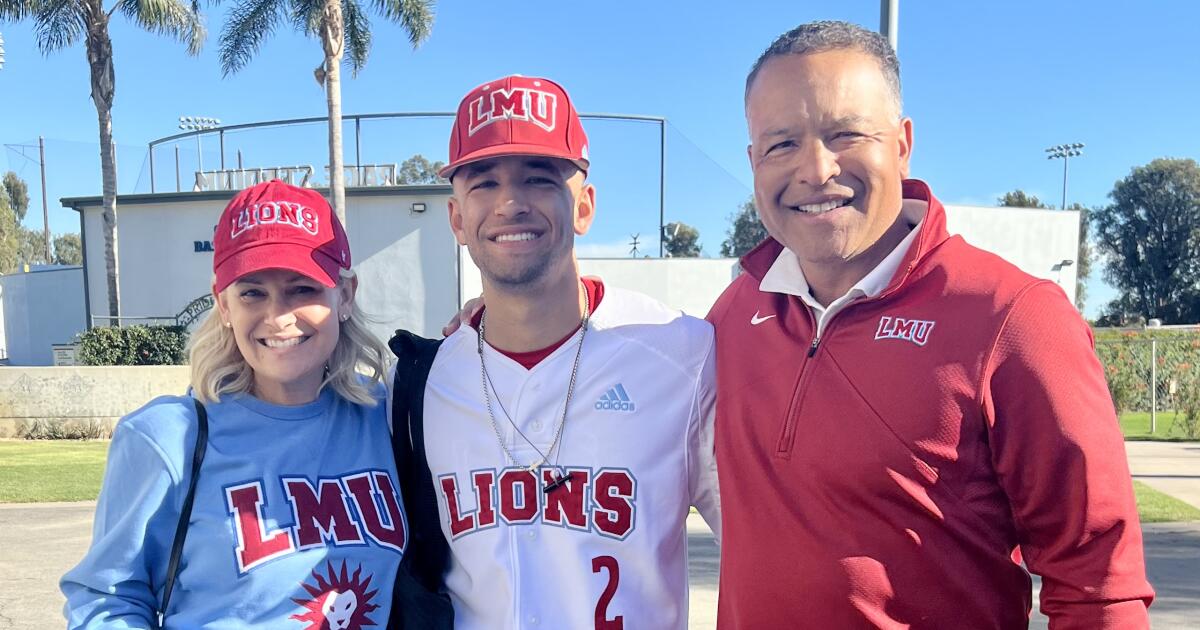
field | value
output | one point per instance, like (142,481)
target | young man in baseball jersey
(567,431)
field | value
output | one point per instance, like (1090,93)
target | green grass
(42,471)
(1136,426)
(1156,507)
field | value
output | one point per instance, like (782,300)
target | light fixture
(418,206)
(1064,152)
(200,124)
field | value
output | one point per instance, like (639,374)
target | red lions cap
(516,116)
(275,225)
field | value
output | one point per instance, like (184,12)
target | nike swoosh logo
(756,320)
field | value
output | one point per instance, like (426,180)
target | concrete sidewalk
(39,542)
(1170,467)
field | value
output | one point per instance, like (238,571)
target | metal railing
(124,320)
(358,119)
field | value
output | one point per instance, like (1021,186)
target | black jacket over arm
(419,598)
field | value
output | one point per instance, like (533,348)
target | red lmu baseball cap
(275,225)
(516,115)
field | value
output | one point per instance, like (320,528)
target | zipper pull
(813,348)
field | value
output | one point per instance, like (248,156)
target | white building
(413,275)
(40,308)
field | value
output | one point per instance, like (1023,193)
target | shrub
(89,429)
(1187,400)
(1127,358)
(133,345)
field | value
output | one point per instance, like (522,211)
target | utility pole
(45,207)
(889,22)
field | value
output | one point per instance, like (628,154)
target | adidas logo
(615,399)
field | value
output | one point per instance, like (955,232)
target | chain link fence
(1155,372)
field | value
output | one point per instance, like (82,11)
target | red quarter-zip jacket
(882,475)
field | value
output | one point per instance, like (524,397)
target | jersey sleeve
(702,462)
(117,583)
(1060,458)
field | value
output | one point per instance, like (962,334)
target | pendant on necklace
(558,482)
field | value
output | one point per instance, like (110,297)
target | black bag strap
(419,598)
(185,513)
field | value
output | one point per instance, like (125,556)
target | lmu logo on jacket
(322,516)
(914,330)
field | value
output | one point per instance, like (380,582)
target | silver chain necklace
(486,380)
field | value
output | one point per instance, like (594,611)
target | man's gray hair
(828,35)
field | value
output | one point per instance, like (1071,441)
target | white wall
(406,261)
(3,337)
(688,284)
(160,271)
(41,308)
(408,274)
(1035,240)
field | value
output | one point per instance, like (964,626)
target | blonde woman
(291,513)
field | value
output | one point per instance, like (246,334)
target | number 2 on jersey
(614,577)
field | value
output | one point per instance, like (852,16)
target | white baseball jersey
(608,549)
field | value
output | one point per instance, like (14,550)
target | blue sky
(989,86)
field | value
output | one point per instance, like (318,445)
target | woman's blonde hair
(219,368)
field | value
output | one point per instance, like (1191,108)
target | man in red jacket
(898,411)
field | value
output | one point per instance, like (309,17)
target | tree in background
(9,235)
(419,170)
(1150,236)
(745,231)
(681,240)
(17,192)
(1083,256)
(31,246)
(68,249)
(1020,199)
(60,24)
(343,28)
(1083,260)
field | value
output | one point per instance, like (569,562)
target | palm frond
(57,24)
(306,16)
(415,16)
(249,23)
(358,35)
(168,17)
(15,10)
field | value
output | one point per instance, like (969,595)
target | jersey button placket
(535,387)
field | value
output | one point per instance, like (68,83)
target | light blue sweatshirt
(297,519)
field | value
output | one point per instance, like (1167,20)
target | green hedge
(133,345)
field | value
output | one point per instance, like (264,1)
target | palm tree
(343,28)
(59,24)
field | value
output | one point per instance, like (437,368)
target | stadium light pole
(198,123)
(1064,152)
